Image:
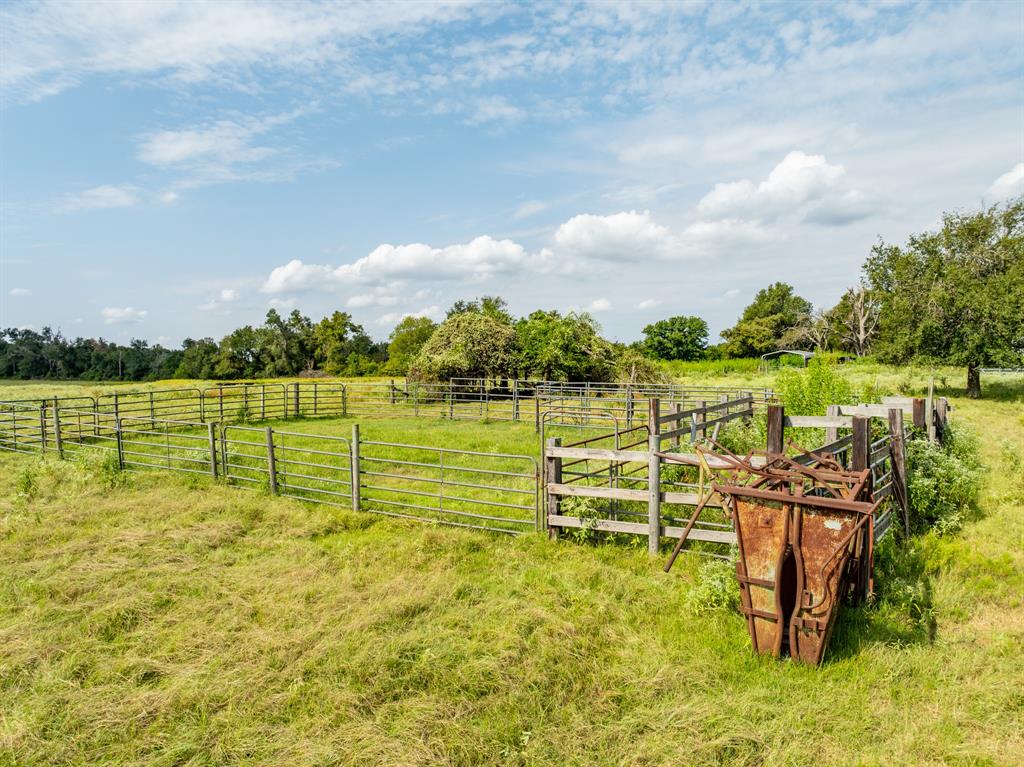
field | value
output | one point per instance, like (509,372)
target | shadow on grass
(1009,388)
(903,612)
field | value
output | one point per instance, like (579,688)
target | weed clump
(944,481)
(716,588)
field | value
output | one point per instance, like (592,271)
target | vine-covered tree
(956,295)
(469,344)
(566,348)
(495,307)
(676,338)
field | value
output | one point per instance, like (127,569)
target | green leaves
(676,338)
(955,295)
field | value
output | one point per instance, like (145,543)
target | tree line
(954,296)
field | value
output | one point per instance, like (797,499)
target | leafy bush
(743,436)
(944,481)
(811,391)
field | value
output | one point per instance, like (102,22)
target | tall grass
(161,620)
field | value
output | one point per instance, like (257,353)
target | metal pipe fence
(458,399)
(462,488)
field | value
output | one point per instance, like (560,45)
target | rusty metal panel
(762,530)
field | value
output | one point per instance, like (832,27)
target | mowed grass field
(163,620)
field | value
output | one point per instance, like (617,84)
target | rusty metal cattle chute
(805,539)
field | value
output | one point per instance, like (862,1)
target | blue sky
(172,170)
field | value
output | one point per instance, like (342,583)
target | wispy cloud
(100,197)
(20,292)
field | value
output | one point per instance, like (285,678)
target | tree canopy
(467,345)
(565,348)
(764,323)
(405,342)
(955,295)
(676,338)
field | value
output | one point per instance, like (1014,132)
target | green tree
(635,367)
(764,322)
(568,348)
(238,355)
(198,360)
(340,346)
(677,338)
(405,342)
(955,295)
(493,306)
(470,344)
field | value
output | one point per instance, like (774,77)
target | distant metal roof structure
(806,356)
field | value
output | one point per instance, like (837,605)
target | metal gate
(462,488)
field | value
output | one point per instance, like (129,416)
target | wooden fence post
(536,410)
(552,476)
(831,432)
(213,450)
(898,462)
(941,418)
(677,408)
(861,453)
(776,429)
(919,419)
(929,411)
(271,462)
(57,439)
(629,407)
(515,399)
(42,427)
(296,398)
(344,401)
(391,391)
(653,478)
(354,467)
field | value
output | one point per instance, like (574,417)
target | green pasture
(152,618)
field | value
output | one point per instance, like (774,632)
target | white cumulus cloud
(628,236)
(648,303)
(599,305)
(1009,184)
(126,316)
(393,318)
(800,184)
(20,292)
(474,261)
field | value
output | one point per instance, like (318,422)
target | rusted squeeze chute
(804,528)
(805,542)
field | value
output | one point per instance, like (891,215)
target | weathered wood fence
(620,474)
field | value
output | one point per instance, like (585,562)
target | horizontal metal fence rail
(308,467)
(242,403)
(462,488)
(23,427)
(457,399)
